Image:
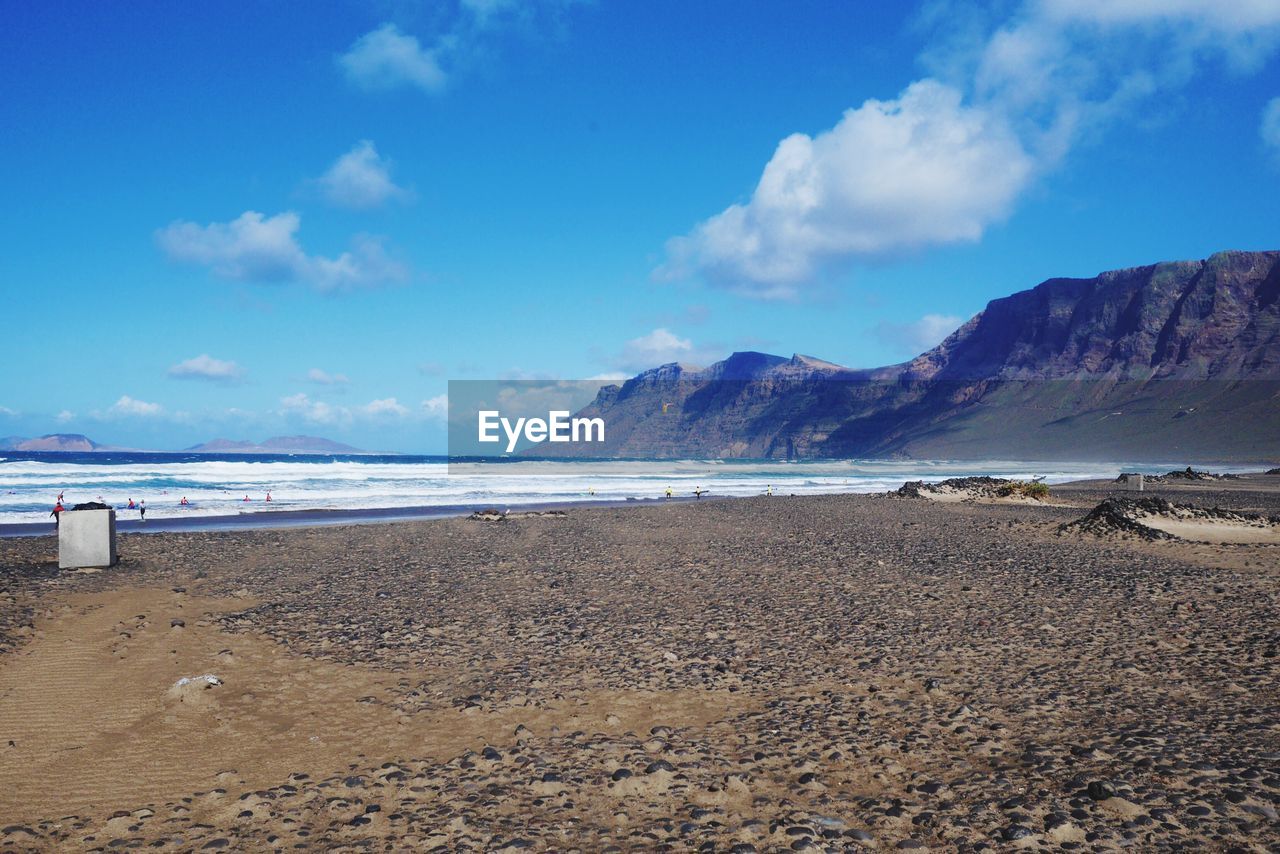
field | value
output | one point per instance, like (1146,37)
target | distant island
(275,445)
(68,442)
(78,443)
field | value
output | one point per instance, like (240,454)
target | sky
(226,220)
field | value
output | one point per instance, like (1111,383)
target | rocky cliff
(1171,361)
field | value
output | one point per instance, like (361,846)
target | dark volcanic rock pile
(982,486)
(1124,515)
(1178,475)
(1120,515)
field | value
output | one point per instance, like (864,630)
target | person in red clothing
(57,512)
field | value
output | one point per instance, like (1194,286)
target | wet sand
(825,673)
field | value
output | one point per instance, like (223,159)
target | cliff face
(1214,319)
(1165,362)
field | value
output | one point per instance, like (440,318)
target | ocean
(218,485)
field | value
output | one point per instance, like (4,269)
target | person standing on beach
(57,512)
(142,510)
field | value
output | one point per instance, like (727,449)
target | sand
(830,673)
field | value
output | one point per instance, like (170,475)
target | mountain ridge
(1163,361)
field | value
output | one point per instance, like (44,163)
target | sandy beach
(818,673)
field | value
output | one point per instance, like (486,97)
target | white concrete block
(86,538)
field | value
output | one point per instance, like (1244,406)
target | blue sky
(284,218)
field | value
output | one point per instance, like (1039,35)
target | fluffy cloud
(323,377)
(130,408)
(360,179)
(205,367)
(388,406)
(386,58)
(1270,128)
(64,416)
(921,335)
(920,170)
(436,408)
(953,154)
(1234,18)
(303,406)
(315,411)
(660,347)
(253,247)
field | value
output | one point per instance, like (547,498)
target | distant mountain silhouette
(51,442)
(275,445)
(1166,362)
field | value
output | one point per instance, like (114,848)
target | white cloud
(610,377)
(387,406)
(64,416)
(921,170)
(920,335)
(953,154)
(129,407)
(253,247)
(1270,127)
(361,179)
(436,408)
(660,347)
(315,411)
(205,367)
(386,58)
(1224,18)
(4,410)
(323,377)
(303,406)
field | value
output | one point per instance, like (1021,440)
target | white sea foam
(218,487)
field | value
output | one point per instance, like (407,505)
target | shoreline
(318,518)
